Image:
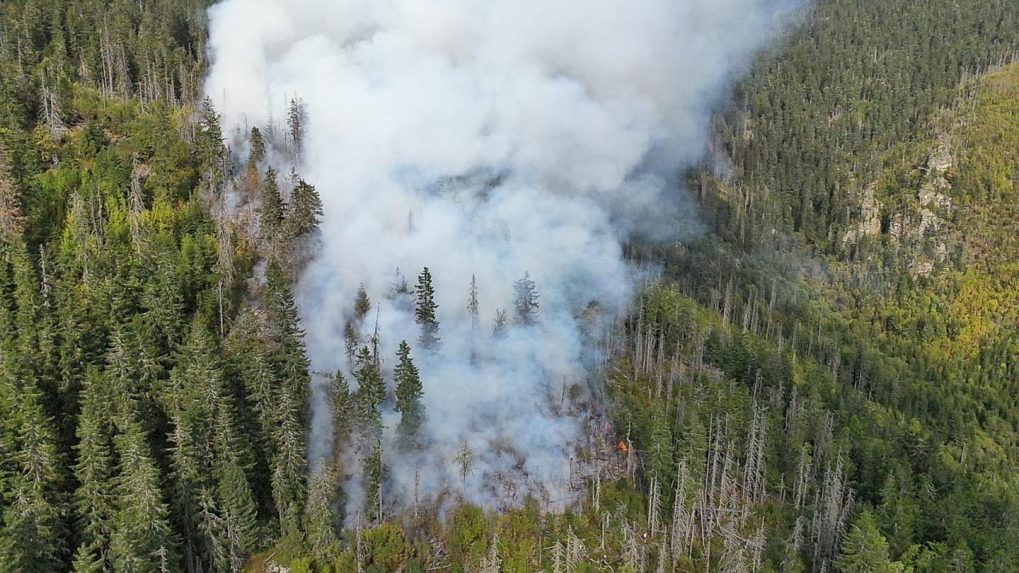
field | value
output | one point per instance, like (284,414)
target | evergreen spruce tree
(257,147)
(295,125)
(424,311)
(133,370)
(11,220)
(288,465)
(362,304)
(28,304)
(87,560)
(865,550)
(342,406)
(305,210)
(191,407)
(253,377)
(239,512)
(374,476)
(213,549)
(272,212)
(78,345)
(371,392)
(93,499)
(525,301)
(320,520)
(7,312)
(210,134)
(290,366)
(9,422)
(162,295)
(31,539)
(289,357)
(408,398)
(142,538)
(473,309)
(399,286)
(213,496)
(209,144)
(238,509)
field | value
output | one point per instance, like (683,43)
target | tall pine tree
(342,406)
(94,470)
(142,538)
(865,550)
(371,392)
(32,536)
(272,212)
(424,311)
(525,301)
(408,398)
(305,210)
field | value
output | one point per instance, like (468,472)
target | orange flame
(622,447)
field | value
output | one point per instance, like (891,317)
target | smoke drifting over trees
(486,141)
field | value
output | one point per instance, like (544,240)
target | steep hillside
(825,380)
(817,114)
(782,412)
(920,319)
(947,207)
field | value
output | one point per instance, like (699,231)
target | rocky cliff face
(917,226)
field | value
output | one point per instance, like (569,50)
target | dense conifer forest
(826,379)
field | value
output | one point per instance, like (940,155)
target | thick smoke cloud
(487,138)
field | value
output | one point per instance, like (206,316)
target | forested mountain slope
(136,432)
(917,328)
(826,380)
(817,114)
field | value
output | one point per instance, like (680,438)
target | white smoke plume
(487,138)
